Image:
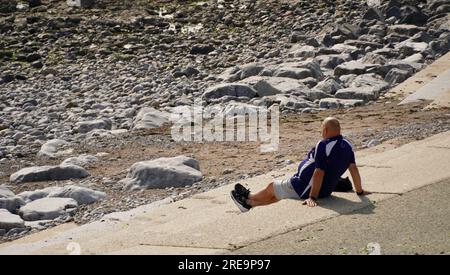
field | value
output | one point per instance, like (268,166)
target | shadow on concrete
(347,207)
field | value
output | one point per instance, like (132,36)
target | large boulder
(9,221)
(54,148)
(266,86)
(149,118)
(230,90)
(395,76)
(5,192)
(331,61)
(47,209)
(370,82)
(404,29)
(353,67)
(292,72)
(84,127)
(334,103)
(11,203)
(357,93)
(46,173)
(163,172)
(82,195)
(29,196)
(328,86)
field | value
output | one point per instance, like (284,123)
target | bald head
(331,127)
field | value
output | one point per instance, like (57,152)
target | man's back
(333,156)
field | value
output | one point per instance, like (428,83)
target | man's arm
(354,172)
(317,180)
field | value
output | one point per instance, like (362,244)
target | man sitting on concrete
(317,175)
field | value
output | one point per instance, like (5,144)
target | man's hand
(363,193)
(310,202)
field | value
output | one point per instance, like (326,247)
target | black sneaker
(241,190)
(240,201)
(344,185)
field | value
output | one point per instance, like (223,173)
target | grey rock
(149,118)
(87,126)
(46,173)
(29,196)
(163,172)
(353,67)
(334,103)
(373,142)
(395,76)
(332,60)
(251,69)
(328,85)
(266,86)
(357,93)
(302,51)
(9,221)
(370,82)
(82,195)
(229,89)
(295,73)
(47,208)
(5,192)
(83,161)
(11,203)
(54,148)
(404,29)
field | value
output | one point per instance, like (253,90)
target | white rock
(82,161)
(9,221)
(163,172)
(266,86)
(46,173)
(47,208)
(82,195)
(29,196)
(149,118)
(5,192)
(54,148)
(87,126)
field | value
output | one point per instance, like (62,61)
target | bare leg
(263,197)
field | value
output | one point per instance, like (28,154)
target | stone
(328,85)
(334,103)
(229,89)
(371,82)
(47,209)
(84,127)
(404,29)
(46,173)
(5,192)
(292,102)
(302,51)
(412,15)
(292,72)
(396,76)
(11,203)
(29,196)
(201,49)
(163,172)
(357,93)
(251,69)
(82,195)
(9,221)
(332,60)
(373,142)
(266,86)
(81,3)
(84,161)
(353,67)
(373,13)
(408,48)
(54,148)
(150,118)
(34,3)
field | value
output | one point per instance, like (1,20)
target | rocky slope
(100,78)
